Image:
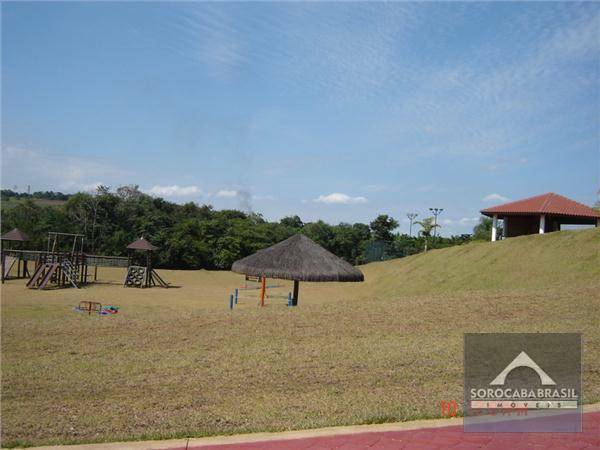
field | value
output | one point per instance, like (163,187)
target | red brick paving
(435,438)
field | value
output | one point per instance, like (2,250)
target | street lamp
(411,217)
(436,212)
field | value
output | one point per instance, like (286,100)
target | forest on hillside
(192,236)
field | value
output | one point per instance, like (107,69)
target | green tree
(192,236)
(405,245)
(292,222)
(348,241)
(320,232)
(382,228)
(427,226)
(483,230)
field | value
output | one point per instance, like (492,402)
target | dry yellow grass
(177,362)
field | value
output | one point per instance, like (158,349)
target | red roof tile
(549,203)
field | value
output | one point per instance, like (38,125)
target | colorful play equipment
(109,310)
(262,285)
(9,260)
(142,276)
(89,307)
(96,308)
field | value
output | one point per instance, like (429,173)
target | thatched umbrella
(297,258)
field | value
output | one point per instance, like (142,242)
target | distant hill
(10,198)
(535,261)
(11,202)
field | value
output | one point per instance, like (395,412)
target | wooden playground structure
(142,276)
(65,264)
(9,261)
(60,267)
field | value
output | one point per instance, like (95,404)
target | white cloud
(54,171)
(338,198)
(494,198)
(175,191)
(91,187)
(465,221)
(224,193)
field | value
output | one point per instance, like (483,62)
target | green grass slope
(525,262)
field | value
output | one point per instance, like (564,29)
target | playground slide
(34,278)
(162,282)
(48,275)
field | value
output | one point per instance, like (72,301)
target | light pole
(436,212)
(411,217)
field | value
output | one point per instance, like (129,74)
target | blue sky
(339,111)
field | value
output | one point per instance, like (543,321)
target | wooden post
(296,289)
(262,291)
(148,269)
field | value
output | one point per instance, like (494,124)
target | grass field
(177,362)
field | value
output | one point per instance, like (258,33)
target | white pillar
(542,223)
(494,227)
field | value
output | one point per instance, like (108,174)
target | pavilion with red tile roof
(540,214)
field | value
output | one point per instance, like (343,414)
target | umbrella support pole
(296,289)
(263,287)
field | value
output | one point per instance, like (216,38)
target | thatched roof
(142,244)
(297,258)
(15,235)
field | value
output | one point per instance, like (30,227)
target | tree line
(47,195)
(192,236)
